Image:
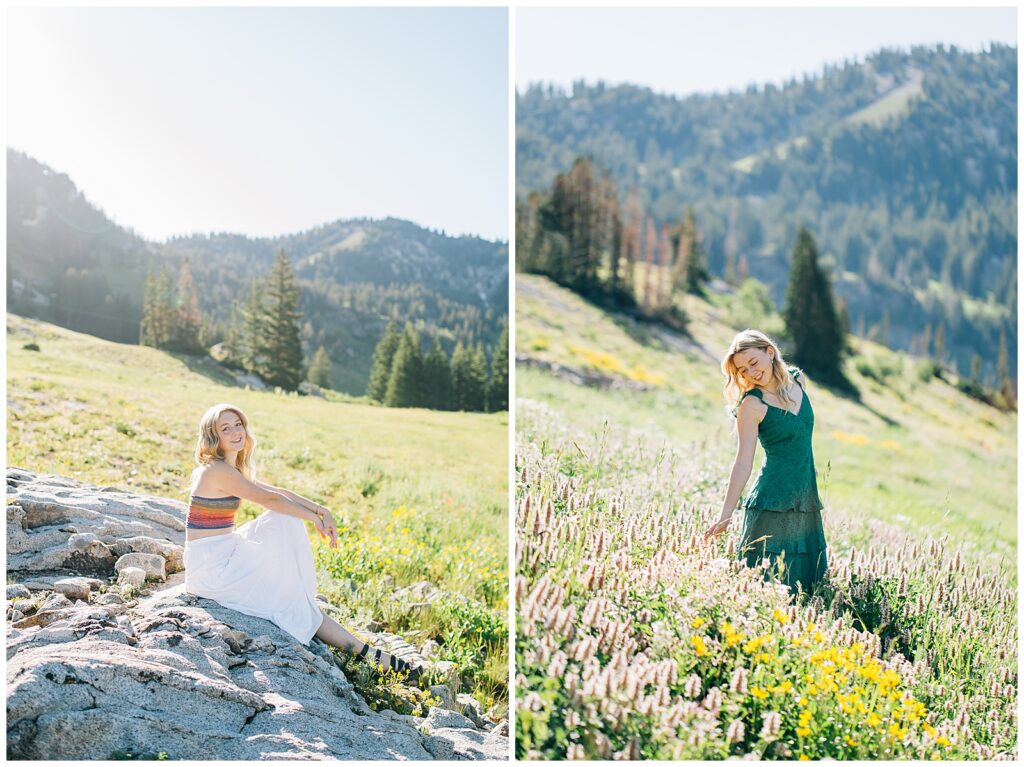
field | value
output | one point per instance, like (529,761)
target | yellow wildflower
(850,741)
(897,732)
(781,617)
(803,732)
(697,622)
(804,758)
(874,720)
(784,686)
(942,740)
(759,693)
(698,645)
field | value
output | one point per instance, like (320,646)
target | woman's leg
(336,635)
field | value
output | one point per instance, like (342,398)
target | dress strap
(755,391)
(797,374)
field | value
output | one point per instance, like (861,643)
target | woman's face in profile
(754,367)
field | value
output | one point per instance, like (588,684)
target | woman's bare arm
(313,506)
(230,480)
(747,420)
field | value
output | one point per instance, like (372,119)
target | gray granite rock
(199,681)
(170,671)
(57,526)
(18,591)
(76,588)
(134,577)
(154,565)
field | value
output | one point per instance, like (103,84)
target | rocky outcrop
(91,672)
(57,525)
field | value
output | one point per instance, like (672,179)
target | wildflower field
(637,640)
(419,496)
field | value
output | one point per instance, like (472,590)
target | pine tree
(1006,385)
(690,273)
(189,321)
(940,343)
(320,369)
(632,231)
(462,385)
(497,386)
(650,248)
(284,347)
(405,383)
(380,368)
(146,326)
(476,395)
(233,341)
(809,313)
(158,312)
(253,351)
(844,321)
(437,378)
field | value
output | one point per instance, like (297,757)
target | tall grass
(636,640)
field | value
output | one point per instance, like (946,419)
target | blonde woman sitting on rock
(265,567)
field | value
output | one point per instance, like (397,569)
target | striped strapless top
(212,513)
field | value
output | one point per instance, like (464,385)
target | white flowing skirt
(264,568)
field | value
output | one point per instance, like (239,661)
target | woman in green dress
(782,513)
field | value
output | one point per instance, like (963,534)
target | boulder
(444,694)
(77,588)
(152,564)
(133,577)
(172,553)
(469,707)
(467,741)
(310,389)
(57,526)
(18,591)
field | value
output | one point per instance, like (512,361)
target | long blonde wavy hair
(208,443)
(780,376)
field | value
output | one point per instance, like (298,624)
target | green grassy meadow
(919,455)
(418,495)
(635,639)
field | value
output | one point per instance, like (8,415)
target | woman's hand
(717,529)
(326,526)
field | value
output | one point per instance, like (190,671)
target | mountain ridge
(70,263)
(899,195)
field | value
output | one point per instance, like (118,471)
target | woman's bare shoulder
(206,479)
(752,404)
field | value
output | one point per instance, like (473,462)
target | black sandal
(392,662)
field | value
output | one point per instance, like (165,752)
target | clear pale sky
(705,50)
(267,121)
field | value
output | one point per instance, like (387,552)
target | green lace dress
(782,513)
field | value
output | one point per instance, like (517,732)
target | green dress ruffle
(782,512)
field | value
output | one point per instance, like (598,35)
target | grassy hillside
(920,455)
(411,506)
(636,640)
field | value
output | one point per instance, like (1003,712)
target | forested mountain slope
(69,263)
(904,166)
